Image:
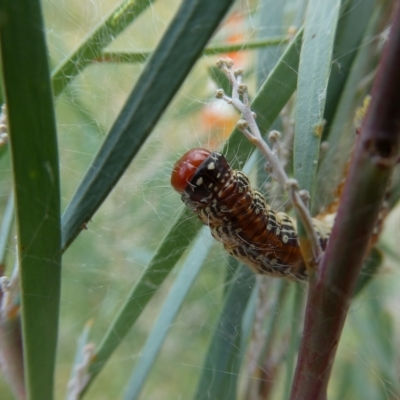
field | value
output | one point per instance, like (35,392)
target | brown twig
(330,294)
(310,247)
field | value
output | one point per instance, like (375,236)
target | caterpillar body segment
(240,217)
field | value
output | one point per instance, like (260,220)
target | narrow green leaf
(142,56)
(314,69)
(221,368)
(346,381)
(93,45)
(269,22)
(169,310)
(370,268)
(170,250)
(248,45)
(275,326)
(220,79)
(295,336)
(353,21)
(179,49)
(5,229)
(249,315)
(26,80)
(377,329)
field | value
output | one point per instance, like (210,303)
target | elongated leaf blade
(36,181)
(353,21)
(5,229)
(221,368)
(314,69)
(142,56)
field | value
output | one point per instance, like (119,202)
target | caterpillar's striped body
(240,217)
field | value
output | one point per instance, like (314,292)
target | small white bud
(219,94)
(239,72)
(242,124)
(242,88)
(292,184)
(274,136)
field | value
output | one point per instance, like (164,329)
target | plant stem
(142,56)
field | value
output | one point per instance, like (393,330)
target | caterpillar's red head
(186,167)
(199,176)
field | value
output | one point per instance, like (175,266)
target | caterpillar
(240,217)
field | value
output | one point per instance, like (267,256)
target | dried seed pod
(240,217)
